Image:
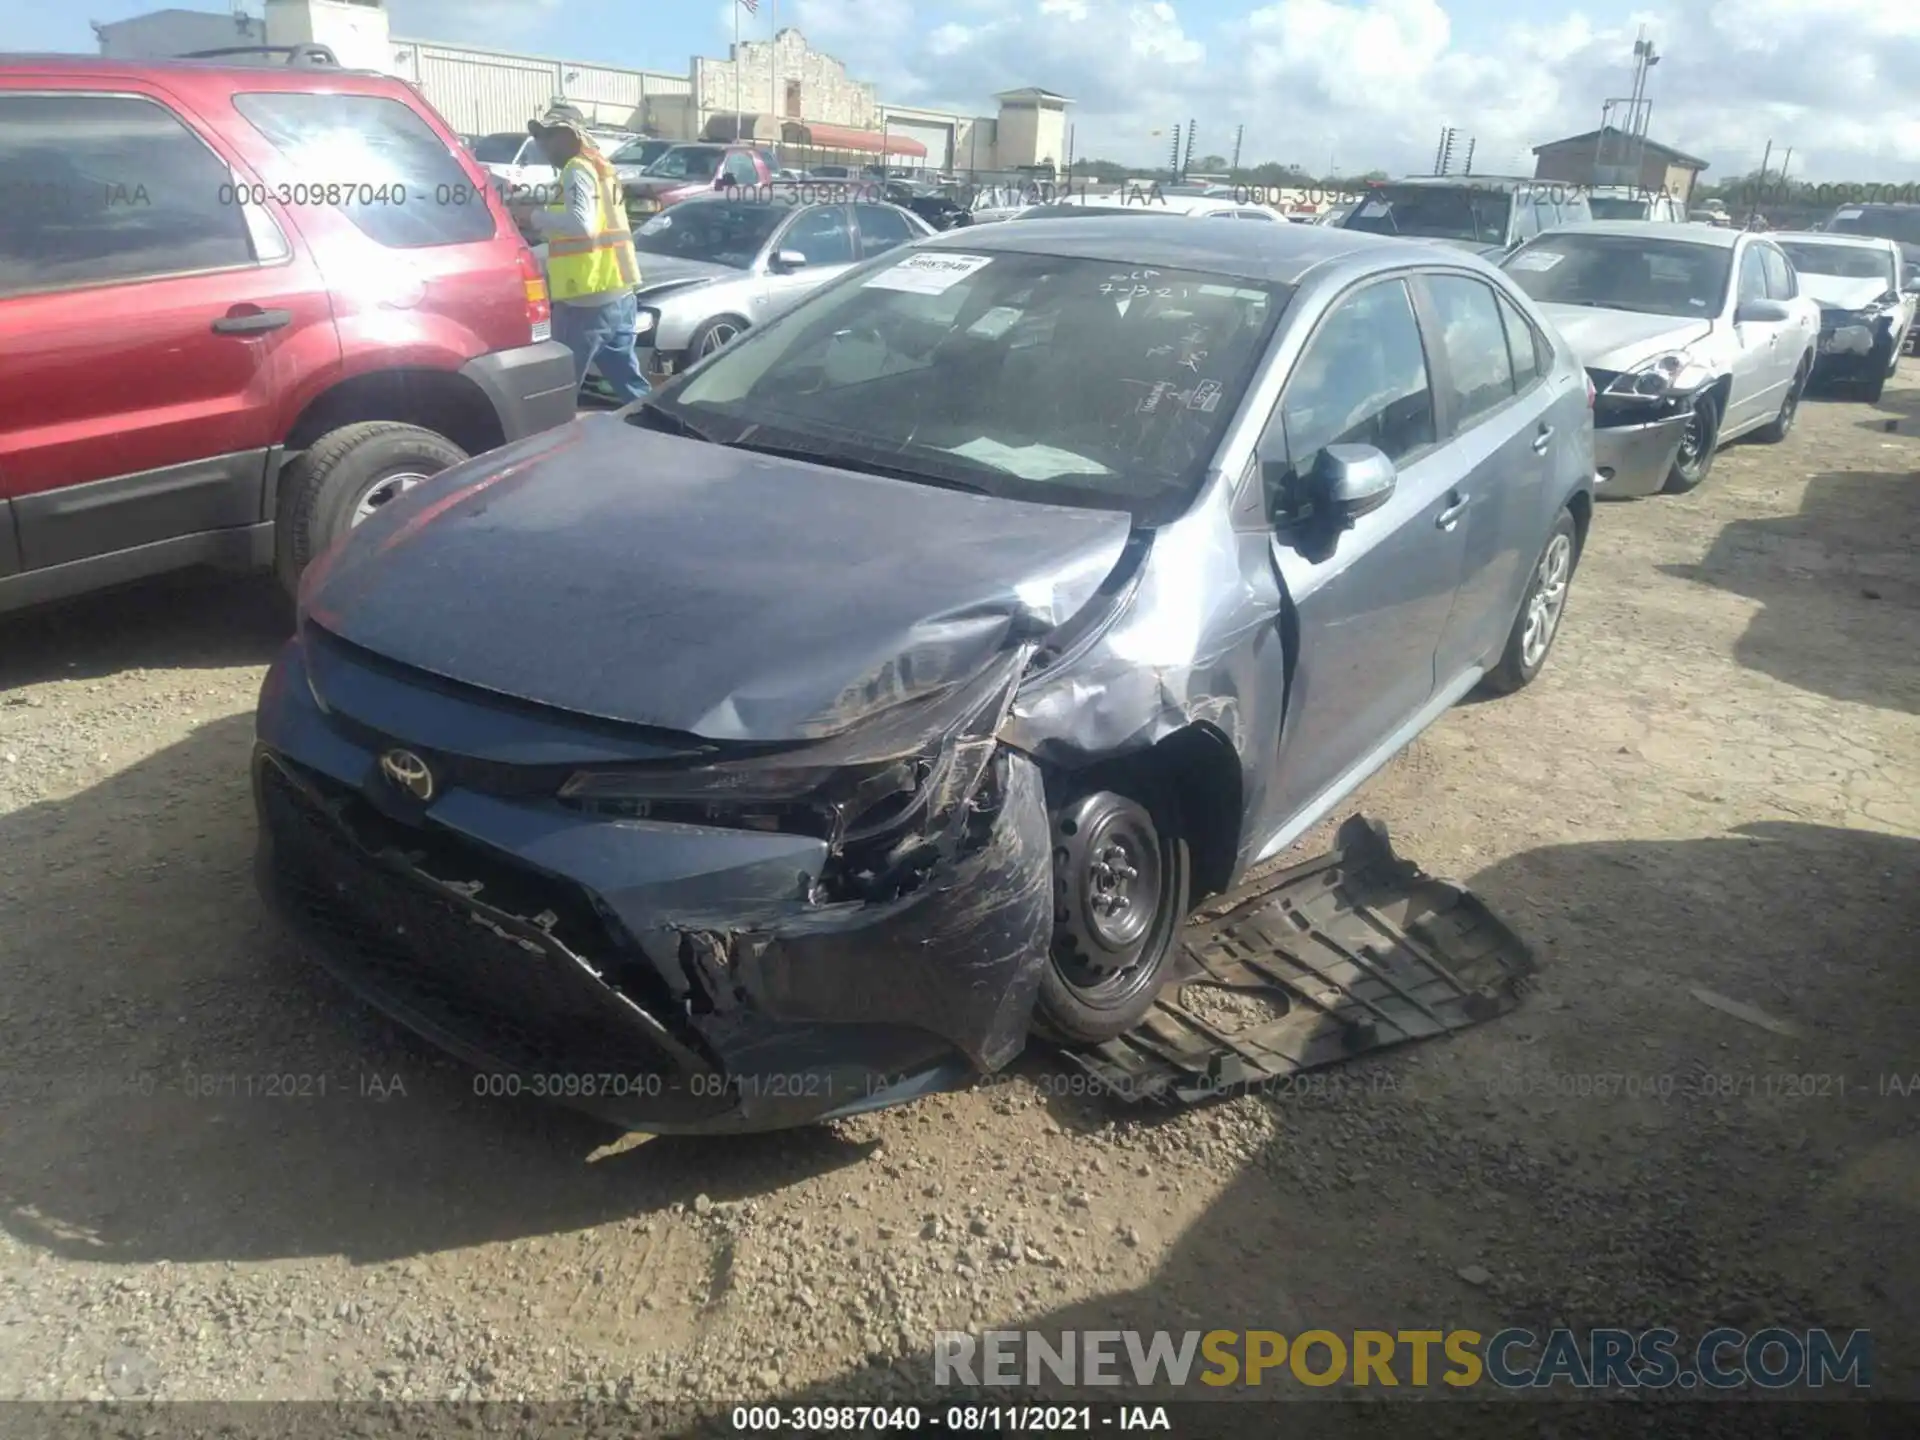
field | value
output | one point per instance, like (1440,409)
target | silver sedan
(713,268)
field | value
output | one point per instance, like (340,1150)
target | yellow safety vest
(600,263)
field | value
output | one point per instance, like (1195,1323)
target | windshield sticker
(1849,214)
(1029,462)
(995,323)
(930,273)
(1205,397)
(1536,260)
(1373,209)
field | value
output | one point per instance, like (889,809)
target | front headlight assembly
(1660,378)
(905,770)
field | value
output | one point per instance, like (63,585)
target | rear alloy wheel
(1781,426)
(345,478)
(1121,879)
(1538,623)
(1698,442)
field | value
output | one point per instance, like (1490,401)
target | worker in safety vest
(591,266)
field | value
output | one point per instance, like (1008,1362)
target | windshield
(497,149)
(1062,380)
(1435,212)
(1605,208)
(1846,262)
(640,152)
(720,232)
(686,162)
(1882,220)
(1624,272)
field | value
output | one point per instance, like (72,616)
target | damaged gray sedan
(804,737)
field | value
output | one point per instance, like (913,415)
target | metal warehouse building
(779,91)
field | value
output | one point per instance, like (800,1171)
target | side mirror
(1353,480)
(785,262)
(1761,312)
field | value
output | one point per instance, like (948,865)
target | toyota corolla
(888,689)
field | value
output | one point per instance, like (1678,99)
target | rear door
(152,314)
(1372,601)
(1494,414)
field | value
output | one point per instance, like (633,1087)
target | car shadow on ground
(1848,566)
(176,1084)
(1733,1198)
(192,620)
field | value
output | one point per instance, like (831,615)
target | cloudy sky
(1367,83)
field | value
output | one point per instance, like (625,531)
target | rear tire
(1545,604)
(1871,390)
(1122,879)
(342,478)
(1781,426)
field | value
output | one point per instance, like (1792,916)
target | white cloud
(1373,81)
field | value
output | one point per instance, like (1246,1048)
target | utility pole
(1173,160)
(1187,163)
(1443,156)
(1471,142)
(1239,134)
(1753,205)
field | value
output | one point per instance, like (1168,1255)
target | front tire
(1538,624)
(1698,445)
(715,334)
(1122,877)
(344,477)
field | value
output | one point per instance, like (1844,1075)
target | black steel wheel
(1698,443)
(1121,877)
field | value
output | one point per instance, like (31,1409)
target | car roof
(221,71)
(1836,237)
(1470,182)
(1708,235)
(803,195)
(1279,254)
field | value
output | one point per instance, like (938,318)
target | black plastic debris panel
(1354,951)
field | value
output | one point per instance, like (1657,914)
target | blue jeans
(603,335)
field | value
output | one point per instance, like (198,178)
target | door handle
(1543,440)
(1446,519)
(252,324)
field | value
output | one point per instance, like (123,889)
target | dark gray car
(807,735)
(1485,214)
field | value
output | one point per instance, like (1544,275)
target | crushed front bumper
(668,978)
(1634,460)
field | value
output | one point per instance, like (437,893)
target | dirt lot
(1716,785)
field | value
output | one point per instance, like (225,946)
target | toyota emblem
(409,772)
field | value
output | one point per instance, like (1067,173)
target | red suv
(242,306)
(696,168)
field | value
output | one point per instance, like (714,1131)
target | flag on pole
(753,6)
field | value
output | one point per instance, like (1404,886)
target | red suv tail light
(539,307)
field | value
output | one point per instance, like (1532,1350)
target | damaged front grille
(524,978)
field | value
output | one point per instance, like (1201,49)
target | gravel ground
(220,1179)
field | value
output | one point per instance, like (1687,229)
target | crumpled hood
(1622,339)
(664,270)
(1838,292)
(643,578)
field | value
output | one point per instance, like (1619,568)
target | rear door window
(1525,348)
(376,161)
(1474,339)
(101,188)
(881,229)
(822,234)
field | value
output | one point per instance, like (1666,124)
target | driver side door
(1370,602)
(822,233)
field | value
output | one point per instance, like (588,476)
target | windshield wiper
(849,461)
(655,416)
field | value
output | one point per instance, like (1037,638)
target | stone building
(779,91)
